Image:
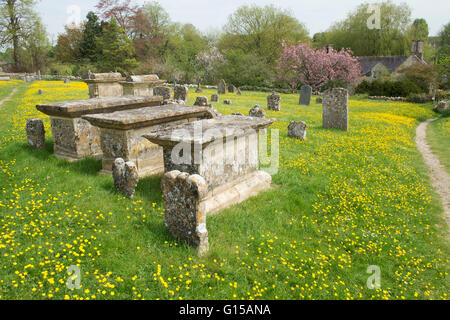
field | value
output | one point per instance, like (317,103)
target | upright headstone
(238,92)
(180,92)
(35,133)
(297,130)
(199,88)
(184,216)
(164,92)
(39,75)
(126,177)
(335,109)
(67,81)
(231,89)
(214,98)
(305,95)
(257,112)
(201,101)
(442,106)
(222,87)
(274,102)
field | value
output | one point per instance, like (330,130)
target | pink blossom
(316,67)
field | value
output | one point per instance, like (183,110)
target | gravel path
(440,179)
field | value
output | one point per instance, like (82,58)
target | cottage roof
(392,63)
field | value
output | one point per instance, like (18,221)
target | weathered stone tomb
(121,134)
(103,85)
(75,138)
(210,165)
(141,85)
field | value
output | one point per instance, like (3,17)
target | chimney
(417,48)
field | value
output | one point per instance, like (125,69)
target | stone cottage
(379,66)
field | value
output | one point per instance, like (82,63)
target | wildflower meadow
(342,204)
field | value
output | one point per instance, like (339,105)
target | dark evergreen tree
(88,46)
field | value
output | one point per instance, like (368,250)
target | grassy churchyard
(341,203)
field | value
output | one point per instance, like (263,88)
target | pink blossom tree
(301,64)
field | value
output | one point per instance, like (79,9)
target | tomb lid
(112,76)
(207,131)
(145,117)
(143,78)
(78,108)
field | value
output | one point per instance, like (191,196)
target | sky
(210,15)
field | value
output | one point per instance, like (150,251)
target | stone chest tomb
(121,134)
(224,151)
(141,85)
(74,138)
(210,165)
(105,85)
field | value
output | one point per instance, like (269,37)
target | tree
(392,38)
(151,28)
(117,52)
(444,41)
(419,30)
(209,62)
(67,48)
(17,18)
(91,31)
(301,64)
(184,44)
(123,11)
(259,30)
(35,48)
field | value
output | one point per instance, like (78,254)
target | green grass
(438,135)
(6,87)
(341,202)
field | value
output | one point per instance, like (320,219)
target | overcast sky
(208,15)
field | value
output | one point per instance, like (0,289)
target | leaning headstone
(35,133)
(305,95)
(214,98)
(319,100)
(274,102)
(125,176)
(180,92)
(442,106)
(238,92)
(227,101)
(222,87)
(335,109)
(257,112)
(297,130)
(184,216)
(164,92)
(201,101)
(231,89)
